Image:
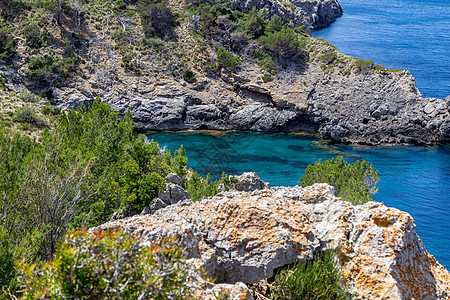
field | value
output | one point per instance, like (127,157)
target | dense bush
(135,187)
(158,21)
(189,76)
(27,114)
(7,45)
(362,65)
(51,110)
(35,36)
(256,24)
(42,71)
(318,279)
(108,265)
(284,43)
(199,187)
(7,270)
(328,57)
(226,59)
(353,182)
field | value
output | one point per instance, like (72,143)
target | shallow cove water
(413,179)
(409,34)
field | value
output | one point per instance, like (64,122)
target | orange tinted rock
(244,236)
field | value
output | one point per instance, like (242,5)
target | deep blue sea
(413,179)
(409,34)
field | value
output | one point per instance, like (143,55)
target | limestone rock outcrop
(249,181)
(173,194)
(242,236)
(312,14)
(367,108)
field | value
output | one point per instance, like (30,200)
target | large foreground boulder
(242,236)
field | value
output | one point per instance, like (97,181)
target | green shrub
(189,76)
(362,66)
(35,36)
(353,182)
(274,25)
(158,21)
(27,114)
(7,45)
(11,9)
(7,270)
(256,24)
(199,187)
(284,42)
(42,69)
(226,59)
(108,265)
(51,110)
(318,279)
(2,82)
(328,57)
(135,187)
(29,97)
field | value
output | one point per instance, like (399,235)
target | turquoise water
(413,179)
(409,34)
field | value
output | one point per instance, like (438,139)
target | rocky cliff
(174,79)
(337,99)
(240,236)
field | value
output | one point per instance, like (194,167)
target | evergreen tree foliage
(353,182)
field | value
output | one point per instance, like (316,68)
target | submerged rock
(242,236)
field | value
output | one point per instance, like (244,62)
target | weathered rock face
(173,194)
(312,14)
(381,108)
(369,108)
(243,236)
(249,182)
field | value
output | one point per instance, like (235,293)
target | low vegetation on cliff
(51,43)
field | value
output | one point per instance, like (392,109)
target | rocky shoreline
(370,107)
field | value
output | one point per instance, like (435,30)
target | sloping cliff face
(370,108)
(313,88)
(357,108)
(244,236)
(334,99)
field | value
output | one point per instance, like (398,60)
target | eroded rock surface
(244,236)
(367,108)
(249,181)
(173,194)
